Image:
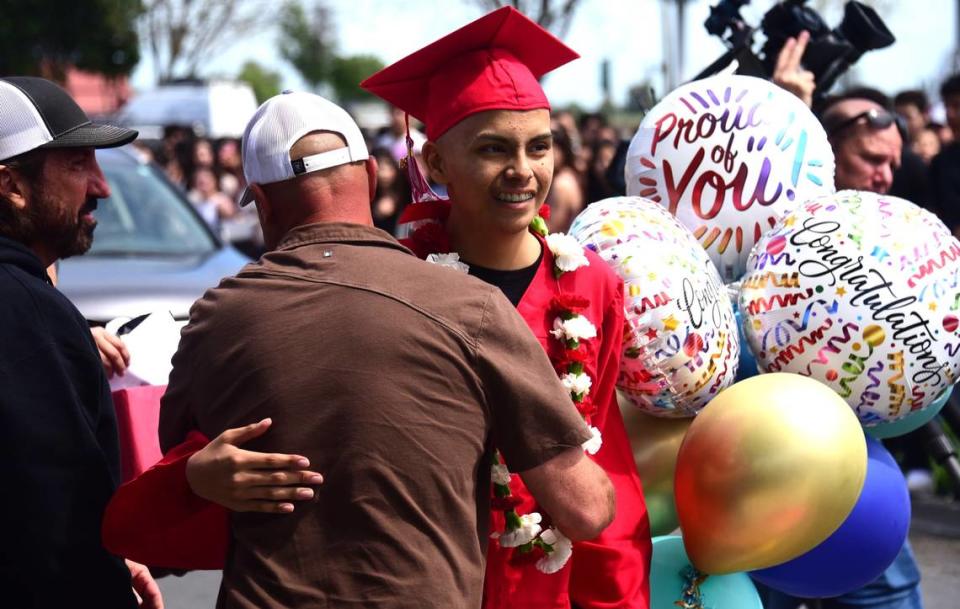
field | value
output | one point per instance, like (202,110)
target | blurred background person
(212,205)
(564,120)
(202,156)
(393,137)
(392,194)
(945,167)
(602,154)
(914,107)
(926,144)
(230,169)
(566,197)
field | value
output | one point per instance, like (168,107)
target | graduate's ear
(433,160)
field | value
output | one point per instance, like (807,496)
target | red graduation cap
(490,64)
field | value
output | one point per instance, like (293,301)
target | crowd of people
(209,172)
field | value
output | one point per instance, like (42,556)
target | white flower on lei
(527,532)
(578,384)
(592,446)
(562,550)
(576,328)
(451,260)
(567,252)
(499,474)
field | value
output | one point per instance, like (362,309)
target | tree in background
(346,74)
(265,83)
(307,41)
(551,15)
(183,33)
(45,38)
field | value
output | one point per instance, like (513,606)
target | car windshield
(144,215)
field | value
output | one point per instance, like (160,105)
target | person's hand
(144,586)
(113,353)
(790,74)
(247,481)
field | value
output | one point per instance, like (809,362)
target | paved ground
(939,557)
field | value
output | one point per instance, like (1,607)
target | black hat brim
(92,135)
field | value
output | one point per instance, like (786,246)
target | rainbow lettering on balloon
(860,299)
(728,156)
(681,345)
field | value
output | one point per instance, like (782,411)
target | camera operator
(790,74)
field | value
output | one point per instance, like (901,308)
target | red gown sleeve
(613,569)
(155,519)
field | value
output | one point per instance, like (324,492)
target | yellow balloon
(655,442)
(768,470)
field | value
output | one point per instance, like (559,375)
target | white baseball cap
(277,125)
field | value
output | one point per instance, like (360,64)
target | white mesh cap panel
(21,126)
(284,119)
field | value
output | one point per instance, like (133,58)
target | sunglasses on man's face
(876,120)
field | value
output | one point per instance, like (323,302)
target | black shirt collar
(18,254)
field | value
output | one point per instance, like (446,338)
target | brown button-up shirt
(394,377)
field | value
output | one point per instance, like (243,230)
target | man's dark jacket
(59,459)
(945,183)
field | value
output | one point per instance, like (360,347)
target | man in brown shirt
(392,376)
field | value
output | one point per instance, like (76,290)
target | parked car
(151,250)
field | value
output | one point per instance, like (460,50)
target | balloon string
(691,597)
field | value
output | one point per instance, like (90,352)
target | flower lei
(526,532)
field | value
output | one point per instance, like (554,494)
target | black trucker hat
(36,113)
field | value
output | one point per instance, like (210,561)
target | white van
(214,109)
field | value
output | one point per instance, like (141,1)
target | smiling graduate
(487,121)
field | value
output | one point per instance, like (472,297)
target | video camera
(829,53)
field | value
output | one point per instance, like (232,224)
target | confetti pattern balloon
(728,156)
(681,346)
(860,291)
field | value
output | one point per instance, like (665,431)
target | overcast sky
(627,32)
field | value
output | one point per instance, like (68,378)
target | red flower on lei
(431,238)
(569,302)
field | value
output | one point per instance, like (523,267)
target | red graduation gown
(611,570)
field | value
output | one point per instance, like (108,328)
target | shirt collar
(339,232)
(18,254)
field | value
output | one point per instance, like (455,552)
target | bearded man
(58,435)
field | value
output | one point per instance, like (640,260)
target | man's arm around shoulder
(537,428)
(576,493)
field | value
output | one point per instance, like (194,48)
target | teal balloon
(669,561)
(911,422)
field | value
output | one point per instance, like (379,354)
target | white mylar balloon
(860,291)
(682,345)
(728,156)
